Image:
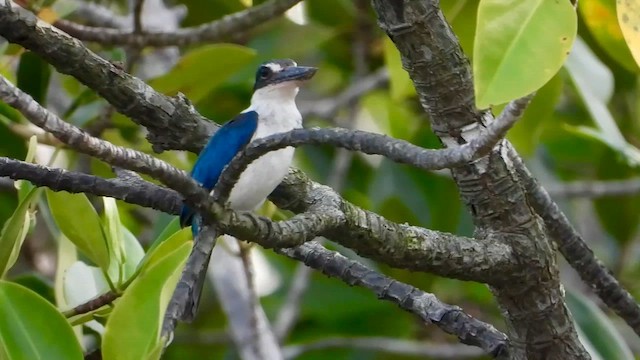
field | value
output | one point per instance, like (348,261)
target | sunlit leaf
(212,63)
(78,220)
(600,18)
(629,19)
(67,256)
(167,246)
(133,329)
(114,237)
(597,327)
(134,252)
(14,231)
(170,228)
(510,58)
(32,328)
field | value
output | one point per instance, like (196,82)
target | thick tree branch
(539,323)
(207,33)
(172,122)
(426,306)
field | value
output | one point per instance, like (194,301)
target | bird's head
(281,78)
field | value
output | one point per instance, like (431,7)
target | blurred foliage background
(561,138)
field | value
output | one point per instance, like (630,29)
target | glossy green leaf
(166,247)
(133,329)
(598,328)
(78,220)
(510,58)
(600,18)
(594,83)
(212,63)
(33,76)
(37,283)
(32,328)
(14,231)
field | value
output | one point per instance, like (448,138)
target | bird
(272,110)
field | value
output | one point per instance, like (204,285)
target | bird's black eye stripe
(265,72)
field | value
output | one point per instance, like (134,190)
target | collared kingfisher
(272,110)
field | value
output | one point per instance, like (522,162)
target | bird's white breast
(263,175)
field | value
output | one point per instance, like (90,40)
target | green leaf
(134,253)
(67,256)
(133,329)
(597,327)
(82,283)
(600,18)
(32,328)
(510,57)
(33,76)
(79,222)
(594,83)
(171,228)
(176,240)
(401,85)
(14,231)
(197,65)
(114,236)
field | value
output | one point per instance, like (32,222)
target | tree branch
(450,319)
(206,33)
(594,189)
(539,323)
(144,193)
(172,122)
(400,151)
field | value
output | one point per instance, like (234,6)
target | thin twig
(450,319)
(217,30)
(93,304)
(594,189)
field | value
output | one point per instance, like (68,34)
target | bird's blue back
(230,139)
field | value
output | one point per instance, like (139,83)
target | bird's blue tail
(189,217)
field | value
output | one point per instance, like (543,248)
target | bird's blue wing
(231,138)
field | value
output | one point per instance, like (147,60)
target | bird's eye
(265,72)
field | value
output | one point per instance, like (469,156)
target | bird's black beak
(297,73)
